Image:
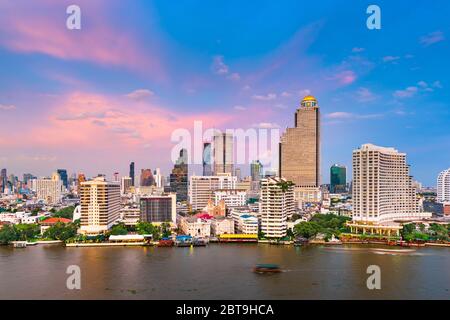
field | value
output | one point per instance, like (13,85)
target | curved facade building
(443,186)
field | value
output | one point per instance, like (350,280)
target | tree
(307,229)
(61,231)
(148,228)
(261,235)
(7,234)
(27,232)
(285,185)
(65,213)
(118,230)
(165,230)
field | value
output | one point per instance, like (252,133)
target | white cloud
(431,38)
(140,94)
(269,96)
(406,93)
(365,95)
(266,125)
(7,107)
(304,92)
(219,66)
(356,49)
(234,76)
(348,115)
(286,94)
(239,108)
(390,58)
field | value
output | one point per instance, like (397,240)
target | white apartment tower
(201,188)
(443,186)
(100,205)
(382,187)
(276,205)
(49,189)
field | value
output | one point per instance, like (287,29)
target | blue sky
(233,64)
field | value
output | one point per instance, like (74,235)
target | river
(223,271)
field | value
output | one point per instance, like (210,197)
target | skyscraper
(443,186)
(223,153)
(100,205)
(147,179)
(63,175)
(338,178)
(207,170)
(179,177)
(157,209)
(256,173)
(48,189)
(382,187)
(132,173)
(300,146)
(3,180)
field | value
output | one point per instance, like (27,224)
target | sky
(95,99)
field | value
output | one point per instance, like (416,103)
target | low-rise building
(222,225)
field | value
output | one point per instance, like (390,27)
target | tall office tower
(300,146)
(116,177)
(338,179)
(158,178)
(238,174)
(443,186)
(256,173)
(125,185)
(3,180)
(132,173)
(100,205)
(223,153)
(158,209)
(147,179)
(179,177)
(276,205)
(202,188)
(27,177)
(49,189)
(382,187)
(63,175)
(207,170)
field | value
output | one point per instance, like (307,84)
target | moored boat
(266,268)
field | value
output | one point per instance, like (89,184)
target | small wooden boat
(165,243)
(266,268)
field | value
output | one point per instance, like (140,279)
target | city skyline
(389,86)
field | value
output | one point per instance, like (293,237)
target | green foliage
(434,232)
(285,185)
(165,230)
(18,232)
(327,224)
(65,213)
(261,235)
(118,230)
(7,234)
(148,228)
(61,231)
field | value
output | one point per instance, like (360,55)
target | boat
(165,243)
(266,268)
(19,244)
(199,242)
(183,241)
(300,241)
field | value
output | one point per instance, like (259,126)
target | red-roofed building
(47,223)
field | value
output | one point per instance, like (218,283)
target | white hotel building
(49,189)
(275,207)
(201,188)
(383,191)
(443,187)
(100,205)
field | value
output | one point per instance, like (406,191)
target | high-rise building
(125,185)
(300,146)
(132,173)
(223,153)
(49,189)
(179,177)
(157,209)
(63,175)
(3,180)
(276,205)
(207,169)
(338,179)
(256,173)
(382,187)
(202,188)
(147,179)
(27,177)
(158,178)
(443,186)
(100,205)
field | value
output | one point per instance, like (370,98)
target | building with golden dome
(300,148)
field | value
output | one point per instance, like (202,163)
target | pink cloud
(344,77)
(41,28)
